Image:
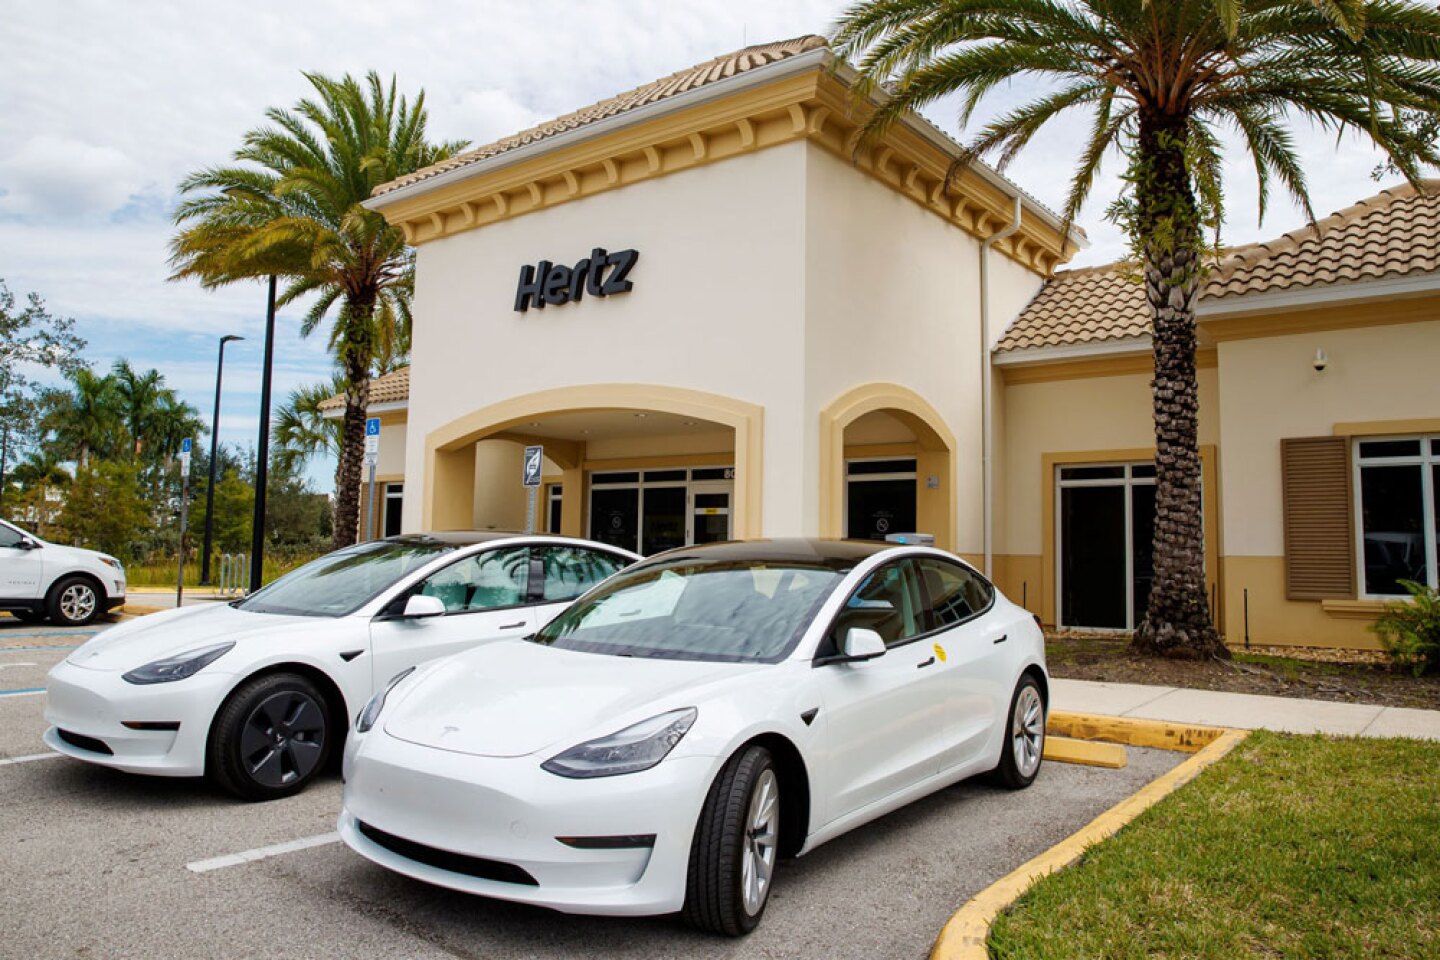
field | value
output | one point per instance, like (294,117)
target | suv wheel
(74,601)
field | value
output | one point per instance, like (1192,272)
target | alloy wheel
(283,739)
(77,602)
(762,829)
(1028,731)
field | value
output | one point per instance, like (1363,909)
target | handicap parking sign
(372,427)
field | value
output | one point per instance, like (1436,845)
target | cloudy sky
(108,105)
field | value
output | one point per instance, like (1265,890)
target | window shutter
(1319,520)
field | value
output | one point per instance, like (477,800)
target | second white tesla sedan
(662,742)
(258,693)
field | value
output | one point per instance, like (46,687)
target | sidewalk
(1242,710)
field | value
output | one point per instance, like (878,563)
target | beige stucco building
(788,337)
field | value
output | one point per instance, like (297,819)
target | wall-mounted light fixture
(1322,360)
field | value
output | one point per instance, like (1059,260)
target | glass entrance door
(879,498)
(710,511)
(1106,533)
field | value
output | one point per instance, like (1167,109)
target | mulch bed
(1274,672)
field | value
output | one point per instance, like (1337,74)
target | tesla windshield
(341,582)
(691,610)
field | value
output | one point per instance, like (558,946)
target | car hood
(59,553)
(169,632)
(514,698)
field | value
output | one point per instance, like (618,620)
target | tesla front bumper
(94,711)
(492,826)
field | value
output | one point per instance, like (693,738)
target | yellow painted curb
(1090,753)
(139,609)
(1132,731)
(963,937)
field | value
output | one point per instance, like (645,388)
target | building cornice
(1320,295)
(802,98)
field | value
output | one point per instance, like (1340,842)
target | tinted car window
(9,537)
(570,571)
(888,602)
(484,581)
(955,593)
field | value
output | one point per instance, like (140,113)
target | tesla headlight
(638,747)
(371,713)
(180,666)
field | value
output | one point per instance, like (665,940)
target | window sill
(1354,609)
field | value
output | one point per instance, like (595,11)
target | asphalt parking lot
(102,864)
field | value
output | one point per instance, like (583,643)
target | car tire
(74,601)
(736,846)
(270,738)
(1023,749)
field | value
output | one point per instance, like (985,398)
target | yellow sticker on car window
(940,652)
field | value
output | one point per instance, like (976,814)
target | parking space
(100,863)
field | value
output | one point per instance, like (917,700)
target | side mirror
(421,607)
(27,544)
(862,644)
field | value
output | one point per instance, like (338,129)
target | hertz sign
(600,275)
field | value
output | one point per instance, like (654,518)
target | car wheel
(73,602)
(270,738)
(737,840)
(1024,746)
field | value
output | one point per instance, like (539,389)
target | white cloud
(60,176)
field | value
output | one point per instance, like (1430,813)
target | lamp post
(214,449)
(262,451)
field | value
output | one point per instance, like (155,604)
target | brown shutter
(1319,521)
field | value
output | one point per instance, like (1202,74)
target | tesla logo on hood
(449,730)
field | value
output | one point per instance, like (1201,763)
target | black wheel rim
(283,737)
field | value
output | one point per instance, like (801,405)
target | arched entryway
(638,453)
(879,442)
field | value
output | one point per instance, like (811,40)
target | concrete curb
(963,936)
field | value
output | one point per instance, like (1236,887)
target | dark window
(9,537)
(556,493)
(1092,473)
(615,517)
(955,594)
(1092,557)
(1142,470)
(602,479)
(664,476)
(1392,514)
(664,526)
(394,504)
(880,507)
(1371,449)
(713,473)
(570,571)
(888,602)
(484,581)
(860,468)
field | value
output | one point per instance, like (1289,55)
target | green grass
(163,574)
(1290,847)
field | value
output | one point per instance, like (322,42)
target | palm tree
(301,430)
(139,398)
(292,207)
(1161,81)
(85,420)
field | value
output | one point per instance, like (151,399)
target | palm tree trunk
(1177,622)
(356,353)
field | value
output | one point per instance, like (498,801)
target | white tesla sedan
(658,745)
(258,693)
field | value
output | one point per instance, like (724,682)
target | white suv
(70,585)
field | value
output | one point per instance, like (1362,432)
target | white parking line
(261,853)
(34,756)
(23,663)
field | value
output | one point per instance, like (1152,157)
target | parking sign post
(372,457)
(185,446)
(534,461)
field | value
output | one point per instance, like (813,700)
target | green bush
(1409,630)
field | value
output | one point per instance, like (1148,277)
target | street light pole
(214,450)
(262,452)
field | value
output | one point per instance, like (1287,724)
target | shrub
(1409,630)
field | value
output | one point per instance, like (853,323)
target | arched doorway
(887,462)
(646,467)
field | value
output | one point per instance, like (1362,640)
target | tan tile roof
(1393,233)
(391,388)
(700,75)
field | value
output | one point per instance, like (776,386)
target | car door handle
(924,664)
(513,626)
(1001,639)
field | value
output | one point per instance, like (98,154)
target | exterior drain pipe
(987,414)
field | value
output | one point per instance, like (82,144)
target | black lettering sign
(600,275)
